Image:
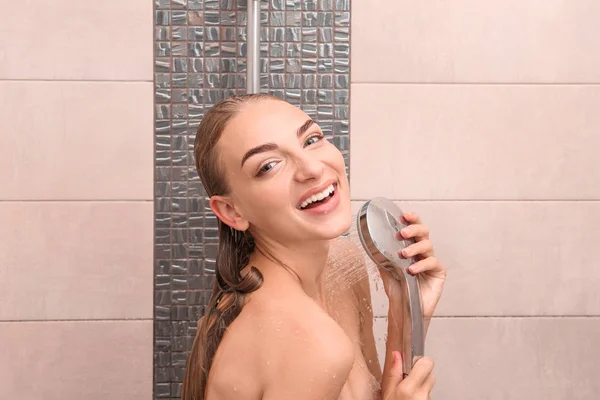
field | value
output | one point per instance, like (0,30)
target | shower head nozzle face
(379,221)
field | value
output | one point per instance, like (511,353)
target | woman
(273,328)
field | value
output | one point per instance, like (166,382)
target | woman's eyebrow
(272,146)
(258,149)
(309,122)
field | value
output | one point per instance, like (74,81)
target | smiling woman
(273,157)
(271,329)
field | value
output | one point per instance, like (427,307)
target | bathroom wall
(200,58)
(76,191)
(484,119)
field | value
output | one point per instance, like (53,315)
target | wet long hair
(235,247)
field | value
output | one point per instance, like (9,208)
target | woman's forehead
(264,120)
(270,111)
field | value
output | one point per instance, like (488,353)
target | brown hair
(235,247)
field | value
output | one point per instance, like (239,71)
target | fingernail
(406,252)
(405,231)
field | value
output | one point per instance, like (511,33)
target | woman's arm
(394,327)
(362,292)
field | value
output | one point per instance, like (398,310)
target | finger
(412,217)
(417,231)
(428,264)
(423,248)
(420,371)
(394,375)
(429,383)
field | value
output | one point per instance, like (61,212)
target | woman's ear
(224,210)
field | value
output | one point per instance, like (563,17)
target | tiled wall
(76,199)
(489,120)
(484,119)
(200,58)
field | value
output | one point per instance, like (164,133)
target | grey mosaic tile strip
(200,59)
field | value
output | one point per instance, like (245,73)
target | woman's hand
(416,386)
(431,273)
(432,276)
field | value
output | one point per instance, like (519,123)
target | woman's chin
(335,227)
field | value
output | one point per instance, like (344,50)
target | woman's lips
(325,206)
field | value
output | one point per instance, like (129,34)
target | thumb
(395,374)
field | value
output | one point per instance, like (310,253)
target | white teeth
(317,197)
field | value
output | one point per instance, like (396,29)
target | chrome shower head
(378,222)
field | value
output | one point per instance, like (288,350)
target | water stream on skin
(349,264)
(349,268)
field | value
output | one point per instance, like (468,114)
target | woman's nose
(308,167)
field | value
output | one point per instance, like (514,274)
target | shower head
(378,222)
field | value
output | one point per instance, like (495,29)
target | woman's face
(287,182)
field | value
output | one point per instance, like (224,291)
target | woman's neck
(304,262)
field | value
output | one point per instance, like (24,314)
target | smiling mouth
(320,198)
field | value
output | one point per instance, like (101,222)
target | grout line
(480,83)
(79,80)
(492,200)
(78,201)
(505,316)
(77,320)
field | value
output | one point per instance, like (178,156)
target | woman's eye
(266,168)
(313,139)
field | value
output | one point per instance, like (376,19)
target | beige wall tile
(76,260)
(475,142)
(511,358)
(76,360)
(513,258)
(62,39)
(472,41)
(516,358)
(76,140)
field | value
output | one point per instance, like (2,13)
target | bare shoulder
(309,355)
(277,346)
